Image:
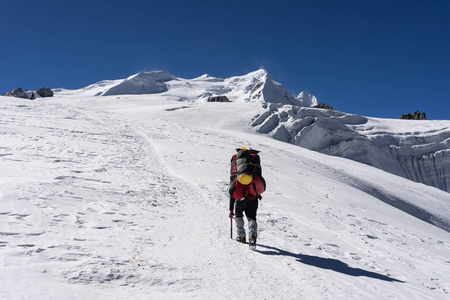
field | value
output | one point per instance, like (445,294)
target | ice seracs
(306,99)
(417,150)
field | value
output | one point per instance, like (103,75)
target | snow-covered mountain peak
(204,76)
(161,76)
(257,86)
(259,74)
(142,83)
(246,83)
(207,78)
(307,99)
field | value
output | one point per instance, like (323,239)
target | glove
(231,214)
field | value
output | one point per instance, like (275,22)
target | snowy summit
(258,86)
(142,83)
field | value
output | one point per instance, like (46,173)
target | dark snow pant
(249,207)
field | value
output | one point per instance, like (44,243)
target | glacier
(416,150)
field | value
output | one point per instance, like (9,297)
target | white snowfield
(416,150)
(125,197)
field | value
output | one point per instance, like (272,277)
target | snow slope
(417,150)
(125,197)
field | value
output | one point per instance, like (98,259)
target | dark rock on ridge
(417,116)
(45,92)
(18,93)
(218,99)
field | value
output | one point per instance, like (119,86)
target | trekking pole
(231,227)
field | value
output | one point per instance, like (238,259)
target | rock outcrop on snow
(18,93)
(323,106)
(417,116)
(218,99)
(45,92)
(414,151)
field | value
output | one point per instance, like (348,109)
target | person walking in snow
(246,187)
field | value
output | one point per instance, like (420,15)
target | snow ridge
(257,86)
(142,83)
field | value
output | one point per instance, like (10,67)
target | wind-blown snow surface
(125,197)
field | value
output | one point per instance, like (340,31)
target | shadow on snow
(326,263)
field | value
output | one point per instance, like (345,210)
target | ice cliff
(417,150)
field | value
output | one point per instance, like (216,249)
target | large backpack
(246,179)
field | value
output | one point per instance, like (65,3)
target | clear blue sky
(374,58)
